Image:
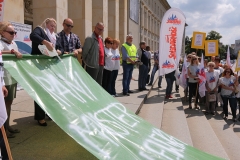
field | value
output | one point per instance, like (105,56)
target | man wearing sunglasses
(93,53)
(68,42)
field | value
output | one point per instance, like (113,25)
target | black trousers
(39,114)
(193,91)
(3,148)
(106,79)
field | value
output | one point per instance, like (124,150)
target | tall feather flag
(202,78)
(3,113)
(228,58)
(183,76)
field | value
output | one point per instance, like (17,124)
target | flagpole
(6,143)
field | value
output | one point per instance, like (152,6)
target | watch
(12,51)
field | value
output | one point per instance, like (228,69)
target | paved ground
(36,142)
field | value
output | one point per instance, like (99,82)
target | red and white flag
(3,113)
(170,41)
(202,78)
(228,58)
(183,76)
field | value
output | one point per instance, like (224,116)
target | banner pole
(6,143)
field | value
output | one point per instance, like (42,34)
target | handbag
(212,97)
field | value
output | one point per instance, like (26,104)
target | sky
(222,16)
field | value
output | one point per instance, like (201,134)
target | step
(202,134)
(174,121)
(224,129)
(152,108)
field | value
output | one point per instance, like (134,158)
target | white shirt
(116,59)
(219,69)
(229,82)
(212,79)
(193,70)
(109,63)
(8,79)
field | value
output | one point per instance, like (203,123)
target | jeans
(193,92)
(142,77)
(127,76)
(154,70)
(169,86)
(233,105)
(111,87)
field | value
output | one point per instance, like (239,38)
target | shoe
(116,95)
(113,95)
(190,106)
(10,135)
(196,107)
(126,94)
(234,119)
(167,97)
(149,84)
(42,124)
(225,117)
(13,130)
(206,113)
(170,96)
(213,113)
(159,87)
(130,91)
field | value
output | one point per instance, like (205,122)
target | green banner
(92,117)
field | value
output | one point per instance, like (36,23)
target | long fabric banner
(93,118)
(171,37)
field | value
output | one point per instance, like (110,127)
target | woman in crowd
(193,81)
(227,83)
(109,63)
(116,67)
(189,57)
(43,35)
(212,77)
(8,46)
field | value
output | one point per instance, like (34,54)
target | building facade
(141,18)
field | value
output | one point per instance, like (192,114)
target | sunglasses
(228,71)
(189,57)
(100,29)
(194,59)
(68,25)
(11,32)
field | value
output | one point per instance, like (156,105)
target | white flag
(228,58)
(3,113)
(171,37)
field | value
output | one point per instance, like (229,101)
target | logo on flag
(167,64)
(174,20)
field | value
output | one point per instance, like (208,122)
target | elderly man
(93,53)
(129,53)
(68,42)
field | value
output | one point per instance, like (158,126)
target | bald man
(68,42)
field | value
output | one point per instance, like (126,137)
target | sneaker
(130,91)
(167,97)
(225,117)
(150,84)
(126,94)
(196,107)
(234,119)
(213,113)
(170,96)
(116,95)
(159,86)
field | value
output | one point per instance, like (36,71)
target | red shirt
(101,51)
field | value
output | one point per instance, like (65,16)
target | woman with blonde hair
(8,46)
(193,80)
(43,35)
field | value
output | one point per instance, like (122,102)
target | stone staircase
(208,133)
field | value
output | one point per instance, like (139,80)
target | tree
(213,35)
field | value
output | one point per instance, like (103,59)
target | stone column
(80,11)
(113,19)
(100,14)
(57,9)
(123,7)
(13,11)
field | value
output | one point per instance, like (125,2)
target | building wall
(14,11)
